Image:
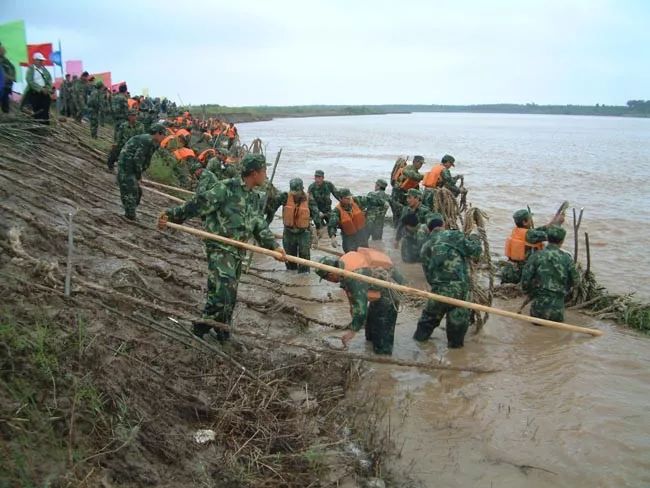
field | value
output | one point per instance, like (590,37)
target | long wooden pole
(172,198)
(385,284)
(167,187)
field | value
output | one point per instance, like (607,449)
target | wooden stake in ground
(385,284)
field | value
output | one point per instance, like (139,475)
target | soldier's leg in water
(304,247)
(511,272)
(549,306)
(457,325)
(382,315)
(290,245)
(430,319)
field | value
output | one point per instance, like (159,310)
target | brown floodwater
(564,409)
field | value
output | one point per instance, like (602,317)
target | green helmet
(296,185)
(157,129)
(555,234)
(345,192)
(253,162)
(381,184)
(520,215)
(328,260)
(414,192)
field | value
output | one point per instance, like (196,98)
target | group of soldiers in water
(234,198)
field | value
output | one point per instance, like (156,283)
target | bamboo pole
(385,284)
(167,187)
(172,198)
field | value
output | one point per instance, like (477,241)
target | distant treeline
(633,108)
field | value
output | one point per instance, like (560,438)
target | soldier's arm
(528,273)
(362,202)
(263,234)
(334,191)
(412,174)
(449,182)
(333,223)
(274,203)
(314,213)
(573,277)
(200,203)
(473,246)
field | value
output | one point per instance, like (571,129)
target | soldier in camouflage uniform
(105,109)
(377,202)
(378,315)
(535,236)
(296,238)
(548,277)
(320,191)
(354,233)
(133,160)
(65,95)
(79,96)
(414,215)
(94,107)
(120,109)
(407,178)
(445,263)
(231,209)
(126,130)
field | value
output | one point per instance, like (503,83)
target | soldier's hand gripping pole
(385,284)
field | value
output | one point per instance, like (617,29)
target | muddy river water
(565,409)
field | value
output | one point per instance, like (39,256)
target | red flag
(44,49)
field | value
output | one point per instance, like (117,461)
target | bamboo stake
(167,187)
(385,284)
(172,198)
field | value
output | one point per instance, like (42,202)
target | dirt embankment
(107,387)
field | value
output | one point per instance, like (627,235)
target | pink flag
(116,87)
(74,67)
(105,77)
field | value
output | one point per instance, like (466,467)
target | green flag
(14,40)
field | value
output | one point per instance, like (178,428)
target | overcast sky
(278,52)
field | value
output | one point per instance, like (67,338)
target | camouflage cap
(344,192)
(319,172)
(253,162)
(418,159)
(99,83)
(555,233)
(381,183)
(157,129)
(447,158)
(414,192)
(435,220)
(328,260)
(296,185)
(520,215)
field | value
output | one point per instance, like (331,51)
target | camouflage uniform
(378,202)
(379,316)
(65,95)
(79,98)
(350,242)
(511,270)
(230,210)
(134,159)
(105,109)
(297,241)
(94,107)
(548,277)
(321,195)
(125,131)
(120,109)
(409,229)
(445,263)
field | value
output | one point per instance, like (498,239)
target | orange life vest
(353,221)
(133,104)
(296,215)
(167,140)
(184,153)
(230,132)
(516,245)
(365,257)
(183,132)
(432,178)
(408,183)
(208,153)
(397,174)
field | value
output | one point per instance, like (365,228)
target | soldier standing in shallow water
(321,190)
(377,205)
(230,209)
(548,277)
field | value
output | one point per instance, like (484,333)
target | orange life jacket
(408,183)
(133,104)
(397,174)
(184,153)
(365,257)
(208,153)
(183,132)
(296,215)
(167,140)
(516,245)
(353,221)
(230,132)
(432,178)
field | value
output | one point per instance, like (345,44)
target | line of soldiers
(235,199)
